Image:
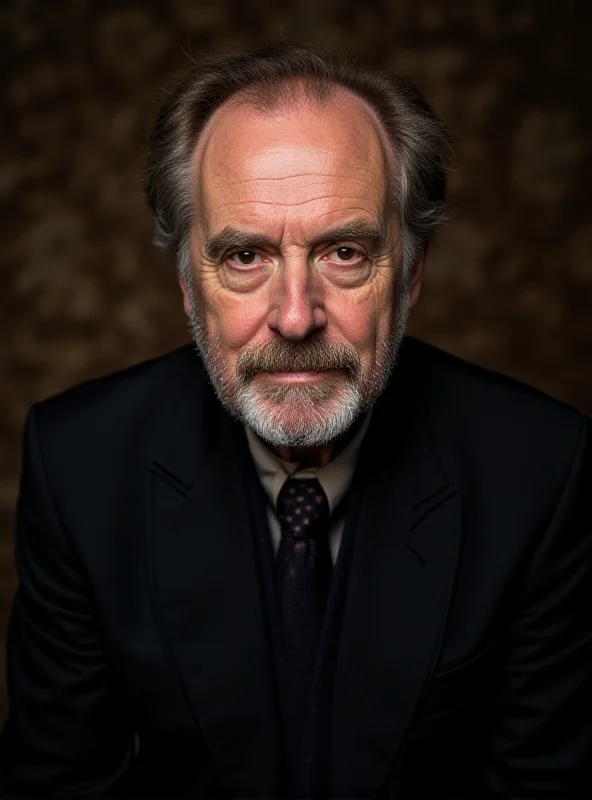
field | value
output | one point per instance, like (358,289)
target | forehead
(308,158)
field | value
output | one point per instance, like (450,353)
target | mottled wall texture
(84,292)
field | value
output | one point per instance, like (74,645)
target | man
(315,558)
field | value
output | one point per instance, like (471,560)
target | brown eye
(345,253)
(245,258)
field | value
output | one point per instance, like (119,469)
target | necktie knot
(302,508)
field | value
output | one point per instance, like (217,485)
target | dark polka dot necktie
(304,570)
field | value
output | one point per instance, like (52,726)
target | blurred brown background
(509,283)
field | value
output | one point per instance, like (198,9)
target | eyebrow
(233,239)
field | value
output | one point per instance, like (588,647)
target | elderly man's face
(298,305)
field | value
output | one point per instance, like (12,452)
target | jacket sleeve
(541,742)
(66,734)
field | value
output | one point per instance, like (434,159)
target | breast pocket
(455,689)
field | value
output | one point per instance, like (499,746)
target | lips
(296,377)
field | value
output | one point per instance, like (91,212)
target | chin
(300,422)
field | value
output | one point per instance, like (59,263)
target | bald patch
(296,101)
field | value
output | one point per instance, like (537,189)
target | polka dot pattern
(304,574)
(303,508)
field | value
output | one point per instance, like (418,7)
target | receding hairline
(308,91)
(291,91)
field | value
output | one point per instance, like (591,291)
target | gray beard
(299,416)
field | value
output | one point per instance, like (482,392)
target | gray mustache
(282,355)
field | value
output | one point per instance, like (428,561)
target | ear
(186,297)
(416,277)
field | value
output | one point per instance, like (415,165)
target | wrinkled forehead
(337,140)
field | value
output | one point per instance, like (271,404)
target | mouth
(298,377)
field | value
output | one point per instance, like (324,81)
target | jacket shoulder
(479,388)
(486,414)
(104,403)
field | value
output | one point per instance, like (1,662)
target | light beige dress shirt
(334,477)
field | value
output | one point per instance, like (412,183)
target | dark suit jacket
(464,653)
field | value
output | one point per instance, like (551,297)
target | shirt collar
(334,477)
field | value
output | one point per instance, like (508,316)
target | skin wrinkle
(275,205)
(303,202)
(335,94)
(302,307)
(295,175)
(228,238)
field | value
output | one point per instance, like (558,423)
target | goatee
(299,415)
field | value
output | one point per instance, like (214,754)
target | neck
(317,456)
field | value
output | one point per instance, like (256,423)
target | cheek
(363,321)
(238,321)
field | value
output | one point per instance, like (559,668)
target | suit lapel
(209,602)
(404,553)
(206,588)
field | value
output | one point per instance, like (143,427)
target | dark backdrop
(509,283)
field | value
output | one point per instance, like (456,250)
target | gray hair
(267,77)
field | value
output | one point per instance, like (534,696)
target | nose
(297,301)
